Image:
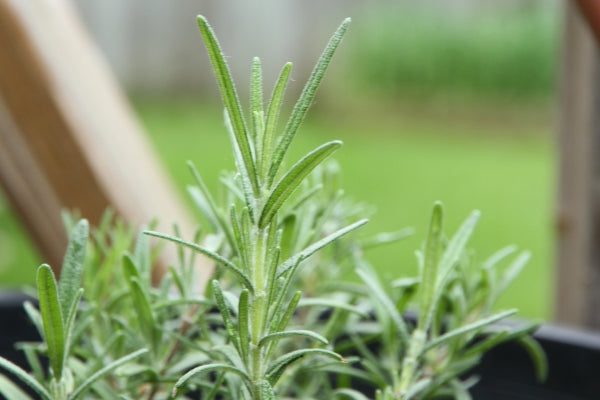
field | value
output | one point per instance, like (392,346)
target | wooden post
(68,137)
(578,275)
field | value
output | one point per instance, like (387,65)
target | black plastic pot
(506,372)
(573,361)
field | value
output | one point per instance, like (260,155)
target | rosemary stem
(257,311)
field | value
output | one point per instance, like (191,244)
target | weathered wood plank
(578,290)
(68,137)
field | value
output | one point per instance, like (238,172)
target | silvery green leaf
(428,288)
(275,337)
(513,270)
(386,237)
(331,304)
(130,269)
(278,366)
(203,205)
(70,320)
(306,196)
(379,294)
(141,255)
(25,378)
(460,392)
(189,360)
(33,360)
(231,354)
(207,368)
(313,248)
(489,273)
(181,288)
(537,354)
(210,254)
(258,120)
(256,98)
(87,384)
(247,188)
(488,343)
(455,248)
(145,316)
(499,256)
(50,310)
(72,268)
(275,306)
(287,315)
(10,391)
(305,100)
(288,234)
(468,328)
(406,283)
(207,204)
(225,314)
(350,393)
(230,99)
(290,181)
(240,239)
(273,116)
(243,315)
(159,305)
(272,284)
(416,388)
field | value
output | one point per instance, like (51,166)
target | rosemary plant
(257,227)
(278,315)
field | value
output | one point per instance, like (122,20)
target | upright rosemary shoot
(255,224)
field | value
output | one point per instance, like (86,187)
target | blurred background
(449,100)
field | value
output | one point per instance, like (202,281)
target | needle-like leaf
(10,391)
(430,268)
(382,297)
(243,330)
(293,178)
(305,100)
(272,118)
(72,268)
(292,333)
(225,314)
(468,328)
(210,254)
(52,318)
(455,248)
(87,384)
(256,101)
(278,367)
(313,248)
(230,99)
(25,378)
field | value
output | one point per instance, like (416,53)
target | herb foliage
(278,319)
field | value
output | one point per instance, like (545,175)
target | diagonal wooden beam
(68,137)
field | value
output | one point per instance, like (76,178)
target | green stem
(257,311)
(58,389)
(409,366)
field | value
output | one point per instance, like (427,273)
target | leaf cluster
(278,319)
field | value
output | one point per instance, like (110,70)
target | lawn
(400,160)
(499,159)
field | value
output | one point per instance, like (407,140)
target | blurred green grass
(497,159)
(497,51)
